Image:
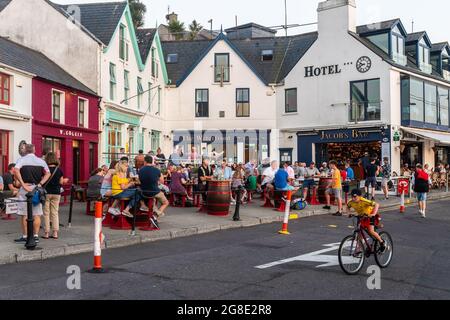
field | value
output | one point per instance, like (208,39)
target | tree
(138,10)
(177,28)
(194,29)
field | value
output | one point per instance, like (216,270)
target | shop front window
(442,155)
(51,145)
(416,100)
(365,101)
(430,104)
(443,107)
(114,141)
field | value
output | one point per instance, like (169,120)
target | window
(172,58)
(242,102)
(52,145)
(156,138)
(114,140)
(155,66)
(365,100)
(149,97)
(416,100)
(126,87)
(267,55)
(5,89)
(159,102)
(222,67)
(56,107)
(443,107)
(82,113)
(381,41)
(140,92)
(122,44)
(112,81)
(431,110)
(290,101)
(398,47)
(202,103)
(92,158)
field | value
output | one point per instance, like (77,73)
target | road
(222,265)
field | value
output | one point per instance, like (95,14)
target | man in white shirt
(269,174)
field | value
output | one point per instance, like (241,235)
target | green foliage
(194,29)
(138,10)
(177,28)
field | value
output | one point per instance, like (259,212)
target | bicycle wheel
(351,255)
(383,259)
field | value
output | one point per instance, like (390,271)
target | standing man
(335,188)
(150,178)
(204,175)
(139,160)
(371,179)
(310,174)
(365,161)
(30,172)
(386,175)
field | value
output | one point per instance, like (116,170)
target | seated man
(281,181)
(366,209)
(150,178)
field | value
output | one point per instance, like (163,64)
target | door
(76,162)
(286,155)
(4,138)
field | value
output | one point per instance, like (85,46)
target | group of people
(31,172)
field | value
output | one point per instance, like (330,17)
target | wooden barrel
(323,186)
(219,197)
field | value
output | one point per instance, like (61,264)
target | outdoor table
(219,197)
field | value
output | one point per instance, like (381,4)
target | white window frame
(86,113)
(62,106)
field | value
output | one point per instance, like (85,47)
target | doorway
(76,161)
(4,150)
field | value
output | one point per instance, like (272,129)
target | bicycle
(356,247)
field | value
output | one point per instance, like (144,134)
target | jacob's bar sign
(353,134)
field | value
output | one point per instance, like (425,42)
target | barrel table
(219,197)
(324,183)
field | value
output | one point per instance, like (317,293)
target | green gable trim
(161,58)
(133,37)
(122,117)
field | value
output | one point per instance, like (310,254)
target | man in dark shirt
(8,180)
(30,171)
(150,178)
(139,160)
(204,174)
(371,179)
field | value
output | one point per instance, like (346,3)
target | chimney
(171,17)
(336,16)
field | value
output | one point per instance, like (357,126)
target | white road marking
(327,260)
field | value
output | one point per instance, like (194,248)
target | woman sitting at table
(122,188)
(177,183)
(237,182)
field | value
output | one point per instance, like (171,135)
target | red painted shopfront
(65,121)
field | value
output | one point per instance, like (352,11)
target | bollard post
(31,243)
(402,202)
(72,192)
(236,216)
(284,230)
(98,238)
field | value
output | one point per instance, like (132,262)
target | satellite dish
(22,145)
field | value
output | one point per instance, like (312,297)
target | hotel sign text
(313,71)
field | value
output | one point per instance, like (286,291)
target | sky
(431,17)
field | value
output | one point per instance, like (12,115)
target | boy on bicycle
(368,209)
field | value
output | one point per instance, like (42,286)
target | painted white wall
(37,25)
(181,100)
(10,115)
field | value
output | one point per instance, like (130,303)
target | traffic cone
(284,229)
(98,238)
(402,203)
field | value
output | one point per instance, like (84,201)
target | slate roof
(287,51)
(101,19)
(34,62)
(145,39)
(414,37)
(438,47)
(4,4)
(379,26)
(411,65)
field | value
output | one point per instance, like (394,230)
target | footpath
(178,222)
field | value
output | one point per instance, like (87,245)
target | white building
(361,88)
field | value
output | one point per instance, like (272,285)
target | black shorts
(372,181)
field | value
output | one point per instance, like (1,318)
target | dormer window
(424,57)
(172,58)
(267,55)
(398,47)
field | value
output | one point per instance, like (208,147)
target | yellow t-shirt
(337,184)
(115,185)
(363,208)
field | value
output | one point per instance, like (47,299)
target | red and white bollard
(287,212)
(403,186)
(98,238)
(402,202)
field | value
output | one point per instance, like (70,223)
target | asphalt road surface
(222,265)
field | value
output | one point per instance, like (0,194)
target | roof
(376,27)
(251,25)
(145,39)
(101,19)
(414,37)
(411,65)
(287,51)
(4,4)
(438,47)
(34,62)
